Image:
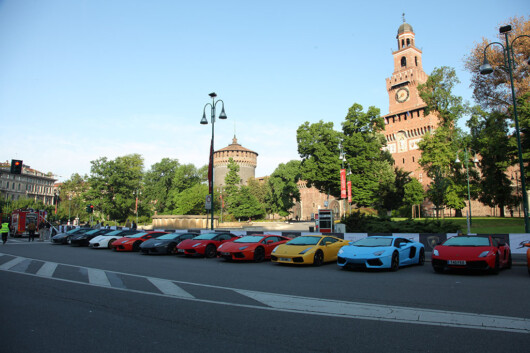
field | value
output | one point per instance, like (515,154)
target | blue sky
(83,79)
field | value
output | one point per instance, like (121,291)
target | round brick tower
(245,158)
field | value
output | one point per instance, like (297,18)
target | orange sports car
(132,242)
(256,247)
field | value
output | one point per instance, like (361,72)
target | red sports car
(528,257)
(473,253)
(205,244)
(257,247)
(132,242)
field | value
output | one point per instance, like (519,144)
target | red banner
(210,170)
(136,207)
(349,191)
(343,183)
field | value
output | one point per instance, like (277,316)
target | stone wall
(184,222)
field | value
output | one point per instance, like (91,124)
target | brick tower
(406,122)
(245,158)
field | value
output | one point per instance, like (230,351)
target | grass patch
(485,225)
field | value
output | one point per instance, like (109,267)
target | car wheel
(394,265)
(110,243)
(438,269)
(259,254)
(136,246)
(421,260)
(509,264)
(210,251)
(318,259)
(171,248)
(495,269)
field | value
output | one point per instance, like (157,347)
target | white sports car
(105,241)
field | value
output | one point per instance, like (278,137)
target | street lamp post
(342,157)
(204,121)
(475,160)
(486,69)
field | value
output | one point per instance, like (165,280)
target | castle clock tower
(406,122)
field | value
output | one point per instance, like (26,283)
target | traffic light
(16,166)
(90,209)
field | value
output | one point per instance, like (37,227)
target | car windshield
(114,232)
(206,236)
(169,236)
(373,242)
(92,231)
(249,239)
(139,235)
(304,240)
(467,241)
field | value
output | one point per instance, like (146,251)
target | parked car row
(374,252)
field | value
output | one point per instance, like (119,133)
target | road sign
(208,203)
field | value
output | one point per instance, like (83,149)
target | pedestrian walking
(31,231)
(42,230)
(5,231)
(134,225)
(47,234)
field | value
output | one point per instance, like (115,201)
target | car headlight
(340,251)
(484,253)
(274,250)
(243,247)
(436,253)
(306,250)
(157,244)
(195,245)
(220,246)
(379,253)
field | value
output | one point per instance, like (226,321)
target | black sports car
(84,238)
(165,244)
(64,238)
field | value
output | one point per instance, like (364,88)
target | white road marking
(169,288)
(390,313)
(12,263)
(98,277)
(47,269)
(305,305)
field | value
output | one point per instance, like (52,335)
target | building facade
(30,184)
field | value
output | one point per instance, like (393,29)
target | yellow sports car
(308,249)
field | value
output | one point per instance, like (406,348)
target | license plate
(180,250)
(456,262)
(285,259)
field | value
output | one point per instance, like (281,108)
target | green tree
(113,184)
(185,177)
(245,205)
(371,166)
(490,132)
(158,182)
(283,188)
(318,148)
(413,193)
(72,199)
(191,200)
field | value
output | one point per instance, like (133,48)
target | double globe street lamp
(475,161)
(486,69)
(204,121)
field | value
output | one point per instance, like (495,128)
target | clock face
(402,95)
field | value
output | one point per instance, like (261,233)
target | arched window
(403,61)
(408,42)
(402,43)
(416,60)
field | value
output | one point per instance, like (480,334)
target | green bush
(358,222)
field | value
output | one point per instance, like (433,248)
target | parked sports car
(64,238)
(165,244)
(84,238)
(472,253)
(528,257)
(132,242)
(205,244)
(390,252)
(251,247)
(308,249)
(105,241)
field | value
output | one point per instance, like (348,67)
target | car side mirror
(327,243)
(501,243)
(148,237)
(270,241)
(402,245)
(527,245)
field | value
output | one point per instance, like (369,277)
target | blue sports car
(389,252)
